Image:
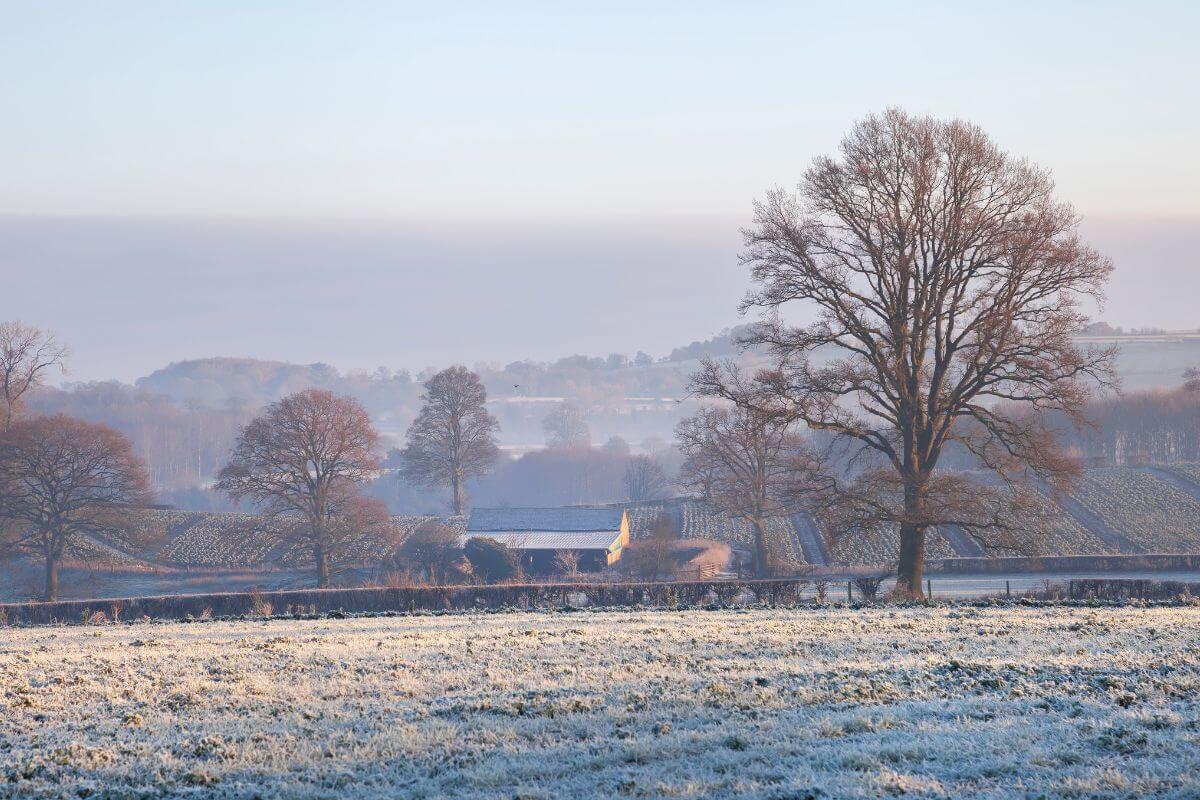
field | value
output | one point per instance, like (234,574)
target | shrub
(868,586)
(260,606)
(431,551)
(821,587)
(491,560)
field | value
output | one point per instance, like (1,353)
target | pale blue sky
(532,130)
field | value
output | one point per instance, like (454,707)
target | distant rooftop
(543,520)
(549,540)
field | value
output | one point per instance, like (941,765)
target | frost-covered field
(941,702)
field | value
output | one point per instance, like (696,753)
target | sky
(406,185)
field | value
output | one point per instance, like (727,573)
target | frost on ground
(938,702)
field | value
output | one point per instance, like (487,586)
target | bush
(868,586)
(431,552)
(491,560)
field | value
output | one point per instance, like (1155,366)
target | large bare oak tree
(308,455)
(26,354)
(453,438)
(62,479)
(943,282)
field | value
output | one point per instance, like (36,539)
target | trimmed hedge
(1127,589)
(409,599)
(1101,563)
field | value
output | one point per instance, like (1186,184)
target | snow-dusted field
(940,702)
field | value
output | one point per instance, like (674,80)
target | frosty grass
(925,702)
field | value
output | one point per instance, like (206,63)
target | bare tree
(644,479)
(654,556)
(617,446)
(453,438)
(26,354)
(306,455)
(566,427)
(1191,379)
(567,562)
(945,282)
(352,520)
(64,479)
(741,460)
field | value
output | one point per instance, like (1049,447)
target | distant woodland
(183,419)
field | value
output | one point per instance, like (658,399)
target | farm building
(598,534)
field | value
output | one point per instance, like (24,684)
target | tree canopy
(943,282)
(62,479)
(453,437)
(308,455)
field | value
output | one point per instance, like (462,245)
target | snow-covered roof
(549,540)
(565,518)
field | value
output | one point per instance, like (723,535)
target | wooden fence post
(849,592)
(1007,589)
(929,588)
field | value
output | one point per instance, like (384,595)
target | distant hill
(1147,359)
(219,381)
(1155,361)
(216,382)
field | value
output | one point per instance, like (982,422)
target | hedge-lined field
(1155,515)
(228,540)
(231,540)
(1189,472)
(643,517)
(939,702)
(701,521)
(1062,534)
(881,546)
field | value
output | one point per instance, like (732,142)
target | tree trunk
(322,558)
(51,577)
(910,571)
(762,551)
(458,496)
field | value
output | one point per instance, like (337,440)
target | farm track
(117,554)
(1178,481)
(963,545)
(1093,522)
(810,541)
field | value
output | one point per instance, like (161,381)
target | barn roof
(549,540)
(543,520)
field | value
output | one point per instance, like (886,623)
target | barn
(599,534)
